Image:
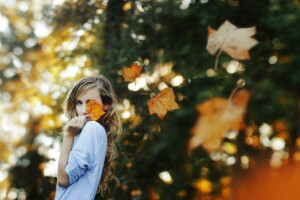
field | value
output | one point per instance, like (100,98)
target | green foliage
(180,36)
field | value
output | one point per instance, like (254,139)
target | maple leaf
(218,116)
(234,41)
(131,73)
(95,109)
(281,183)
(162,103)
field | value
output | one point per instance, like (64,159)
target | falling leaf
(218,116)
(95,109)
(131,73)
(162,103)
(234,41)
(263,182)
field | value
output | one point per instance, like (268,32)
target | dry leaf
(131,73)
(162,103)
(95,110)
(218,116)
(263,182)
(234,41)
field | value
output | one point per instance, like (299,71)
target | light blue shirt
(85,164)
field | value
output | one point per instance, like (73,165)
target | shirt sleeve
(82,156)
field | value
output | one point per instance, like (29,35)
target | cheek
(77,108)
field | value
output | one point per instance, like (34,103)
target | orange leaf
(131,73)
(218,116)
(234,41)
(162,103)
(95,109)
(263,182)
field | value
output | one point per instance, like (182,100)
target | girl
(86,159)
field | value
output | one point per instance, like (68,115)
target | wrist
(72,131)
(68,136)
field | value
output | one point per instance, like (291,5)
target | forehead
(92,93)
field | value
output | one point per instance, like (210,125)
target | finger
(84,119)
(74,122)
(81,120)
(78,122)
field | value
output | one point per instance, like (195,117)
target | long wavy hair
(110,121)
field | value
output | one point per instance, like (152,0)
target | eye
(78,102)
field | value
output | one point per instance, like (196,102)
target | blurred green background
(46,45)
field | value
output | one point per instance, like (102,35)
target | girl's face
(83,99)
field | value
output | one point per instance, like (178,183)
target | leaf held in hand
(95,110)
(234,41)
(131,73)
(162,103)
(218,116)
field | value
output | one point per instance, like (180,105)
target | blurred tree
(35,71)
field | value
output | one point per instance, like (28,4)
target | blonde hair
(110,121)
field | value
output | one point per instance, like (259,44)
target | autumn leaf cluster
(217,115)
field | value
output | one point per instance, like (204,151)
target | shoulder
(92,135)
(93,129)
(94,125)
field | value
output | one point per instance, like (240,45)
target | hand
(74,126)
